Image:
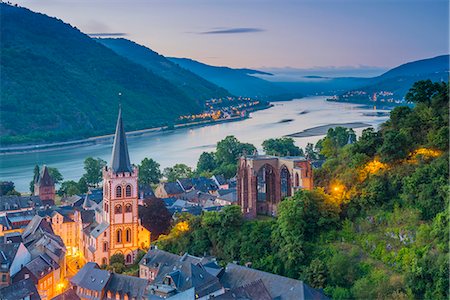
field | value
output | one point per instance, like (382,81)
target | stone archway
(285,182)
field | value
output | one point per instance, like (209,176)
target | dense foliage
(375,226)
(59,84)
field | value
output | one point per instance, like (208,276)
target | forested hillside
(193,85)
(375,226)
(57,84)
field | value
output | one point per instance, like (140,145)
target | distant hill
(237,81)
(398,80)
(58,84)
(193,85)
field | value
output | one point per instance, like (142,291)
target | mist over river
(186,145)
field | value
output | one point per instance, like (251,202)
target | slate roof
(185,271)
(255,290)
(70,294)
(230,197)
(97,231)
(87,216)
(12,237)
(45,179)
(197,196)
(96,195)
(172,188)
(19,202)
(7,254)
(225,191)
(186,183)
(219,179)
(120,160)
(169,201)
(20,290)
(20,216)
(5,223)
(145,191)
(76,279)
(204,184)
(279,287)
(91,277)
(134,287)
(40,267)
(36,224)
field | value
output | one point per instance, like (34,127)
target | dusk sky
(255,34)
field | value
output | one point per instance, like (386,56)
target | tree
(149,171)
(93,168)
(6,187)
(69,188)
(155,217)
(311,152)
(82,185)
(336,138)
(55,174)
(396,145)
(206,162)
(282,147)
(230,149)
(316,274)
(422,91)
(177,171)
(36,174)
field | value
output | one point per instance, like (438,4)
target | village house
(21,290)
(93,283)
(13,256)
(168,190)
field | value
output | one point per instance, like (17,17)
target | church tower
(120,198)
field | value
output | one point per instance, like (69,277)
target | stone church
(116,227)
(264,180)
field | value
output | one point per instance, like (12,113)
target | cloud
(233,30)
(107,34)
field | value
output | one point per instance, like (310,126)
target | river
(186,145)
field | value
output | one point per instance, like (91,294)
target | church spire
(120,161)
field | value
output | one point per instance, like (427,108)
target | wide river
(186,145)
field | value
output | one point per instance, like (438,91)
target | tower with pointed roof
(120,199)
(44,187)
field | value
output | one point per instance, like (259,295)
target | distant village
(225,108)
(386,97)
(74,250)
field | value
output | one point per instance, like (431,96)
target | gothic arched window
(119,236)
(128,191)
(128,259)
(105,247)
(118,191)
(118,209)
(128,208)
(104,261)
(128,235)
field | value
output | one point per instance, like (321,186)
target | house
(170,274)
(220,181)
(197,196)
(19,220)
(229,198)
(48,254)
(63,224)
(168,189)
(93,283)
(41,270)
(15,203)
(21,290)
(44,187)
(238,278)
(12,257)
